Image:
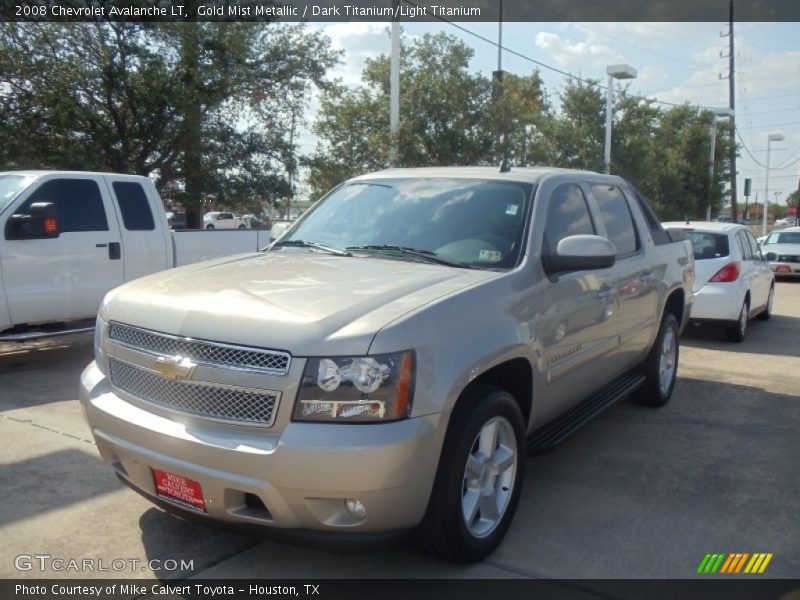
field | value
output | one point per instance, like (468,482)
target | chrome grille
(226,403)
(788,258)
(272,362)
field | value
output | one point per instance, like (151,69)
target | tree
(203,107)
(444,121)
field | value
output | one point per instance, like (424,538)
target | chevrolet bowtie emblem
(174,367)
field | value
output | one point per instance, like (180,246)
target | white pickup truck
(70,237)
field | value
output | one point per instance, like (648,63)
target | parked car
(70,237)
(176,220)
(782,250)
(787,222)
(385,365)
(732,281)
(222,220)
(252,222)
(724,219)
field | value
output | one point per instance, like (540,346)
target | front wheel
(242,226)
(209,226)
(661,365)
(479,477)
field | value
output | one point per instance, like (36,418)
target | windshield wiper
(426,255)
(315,245)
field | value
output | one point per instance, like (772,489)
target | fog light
(356,508)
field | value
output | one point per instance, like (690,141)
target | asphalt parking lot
(639,493)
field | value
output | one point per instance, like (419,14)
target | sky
(676,62)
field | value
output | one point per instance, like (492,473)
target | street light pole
(614,72)
(720,112)
(772,137)
(394,95)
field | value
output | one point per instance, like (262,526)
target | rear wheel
(242,226)
(661,365)
(736,332)
(209,226)
(479,478)
(767,313)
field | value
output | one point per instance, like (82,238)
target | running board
(38,334)
(546,438)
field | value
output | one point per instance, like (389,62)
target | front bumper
(301,476)
(717,302)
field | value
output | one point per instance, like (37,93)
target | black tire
(767,312)
(444,531)
(737,331)
(651,392)
(242,226)
(209,226)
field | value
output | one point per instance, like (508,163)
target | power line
(539,63)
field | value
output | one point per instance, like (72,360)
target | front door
(65,277)
(577,326)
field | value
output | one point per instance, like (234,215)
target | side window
(744,245)
(78,203)
(617,217)
(567,214)
(133,204)
(753,244)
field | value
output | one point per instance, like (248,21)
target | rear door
(635,278)
(146,244)
(762,273)
(65,277)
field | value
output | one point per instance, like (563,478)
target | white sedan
(733,282)
(782,250)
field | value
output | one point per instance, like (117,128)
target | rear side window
(136,213)
(708,245)
(78,203)
(744,245)
(617,217)
(567,214)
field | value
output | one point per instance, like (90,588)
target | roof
(41,172)
(710,226)
(523,174)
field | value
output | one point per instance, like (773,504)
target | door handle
(605,292)
(647,277)
(114,250)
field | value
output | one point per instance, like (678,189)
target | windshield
(478,223)
(785,237)
(10,186)
(708,245)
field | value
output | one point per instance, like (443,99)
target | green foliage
(205,107)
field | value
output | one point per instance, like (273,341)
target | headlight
(99,354)
(357,389)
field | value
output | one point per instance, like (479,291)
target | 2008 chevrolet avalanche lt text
(389,361)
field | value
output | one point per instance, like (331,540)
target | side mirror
(40,223)
(581,253)
(277,230)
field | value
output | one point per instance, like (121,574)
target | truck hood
(302,302)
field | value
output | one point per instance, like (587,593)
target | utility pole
(732,105)
(291,170)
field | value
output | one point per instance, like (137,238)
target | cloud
(585,55)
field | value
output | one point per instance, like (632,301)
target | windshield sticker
(512,209)
(490,256)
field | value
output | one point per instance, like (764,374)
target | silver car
(387,363)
